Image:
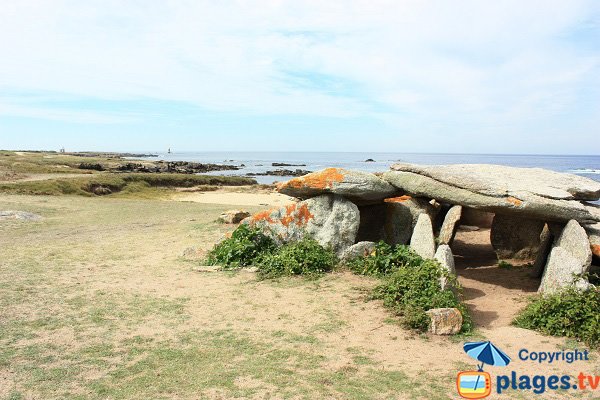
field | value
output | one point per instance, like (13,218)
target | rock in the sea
(330,219)
(357,186)
(360,249)
(450,225)
(446,259)
(21,215)
(546,240)
(445,321)
(515,237)
(402,214)
(422,240)
(531,192)
(574,239)
(233,216)
(561,272)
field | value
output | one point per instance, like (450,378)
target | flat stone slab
(357,186)
(19,215)
(532,192)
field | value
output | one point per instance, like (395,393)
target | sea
(260,162)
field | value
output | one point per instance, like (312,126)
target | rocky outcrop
(541,258)
(359,187)
(330,219)
(360,249)
(570,257)
(422,240)
(450,225)
(515,237)
(233,216)
(446,259)
(531,192)
(445,321)
(401,216)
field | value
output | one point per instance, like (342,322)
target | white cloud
(485,63)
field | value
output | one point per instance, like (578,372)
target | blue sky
(406,76)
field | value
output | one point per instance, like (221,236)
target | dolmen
(538,214)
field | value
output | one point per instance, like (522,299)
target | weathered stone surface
(532,192)
(450,225)
(445,321)
(360,187)
(233,216)
(445,257)
(574,239)
(561,272)
(515,237)
(546,240)
(482,219)
(593,232)
(330,219)
(360,249)
(422,240)
(21,215)
(401,217)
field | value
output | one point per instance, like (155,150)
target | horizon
(418,77)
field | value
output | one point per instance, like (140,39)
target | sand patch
(236,198)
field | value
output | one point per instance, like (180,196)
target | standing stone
(561,272)
(445,321)
(422,240)
(402,214)
(446,259)
(450,225)
(515,237)
(330,219)
(546,239)
(593,232)
(574,239)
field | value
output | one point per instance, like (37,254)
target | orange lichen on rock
(596,249)
(514,201)
(398,199)
(299,215)
(263,216)
(317,180)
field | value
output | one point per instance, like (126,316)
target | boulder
(530,192)
(450,225)
(593,232)
(360,249)
(233,216)
(401,217)
(445,257)
(422,240)
(445,321)
(357,186)
(574,239)
(561,272)
(546,240)
(330,219)
(515,237)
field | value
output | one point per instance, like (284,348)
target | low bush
(411,285)
(305,257)
(246,246)
(571,313)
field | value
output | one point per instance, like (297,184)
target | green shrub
(305,257)
(505,264)
(384,260)
(572,313)
(246,246)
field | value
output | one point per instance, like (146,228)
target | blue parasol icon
(486,353)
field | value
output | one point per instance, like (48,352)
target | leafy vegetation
(103,184)
(411,285)
(305,257)
(571,313)
(245,247)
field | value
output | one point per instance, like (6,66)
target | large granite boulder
(357,186)
(330,219)
(515,237)
(402,214)
(532,192)
(570,257)
(445,321)
(450,225)
(422,240)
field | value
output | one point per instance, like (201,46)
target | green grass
(124,185)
